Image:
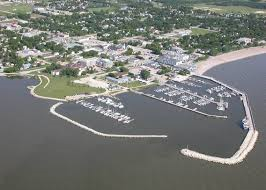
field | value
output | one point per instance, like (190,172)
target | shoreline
(211,62)
(32,91)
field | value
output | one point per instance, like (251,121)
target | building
(244,41)
(184,32)
(104,63)
(80,65)
(56,72)
(172,60)
(25,66)
(121,80)
(31,33)
(29,53)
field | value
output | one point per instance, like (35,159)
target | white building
(244,41)
(56,72)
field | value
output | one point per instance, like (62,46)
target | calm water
(40,151)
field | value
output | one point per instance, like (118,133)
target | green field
(60,87)
(6,9)
(199,31)
(144,87)
(229,9)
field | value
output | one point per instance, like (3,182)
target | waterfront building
(121,80)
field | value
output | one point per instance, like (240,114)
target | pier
(247,144)
(192,94)
(53,111)
(189,109)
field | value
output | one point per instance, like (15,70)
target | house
(184,32)
(172,60)
(104,63)
(29,53)
(31,33)
(121,80)
(26,66)
(80,65)
(244,41)
(56,72)
(117,47)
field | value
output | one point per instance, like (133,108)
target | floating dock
(189,109)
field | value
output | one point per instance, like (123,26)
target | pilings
(53,108)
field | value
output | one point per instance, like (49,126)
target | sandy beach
(203,66)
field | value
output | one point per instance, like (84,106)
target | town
(105,49)
(95,93)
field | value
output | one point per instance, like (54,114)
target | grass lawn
(133,84)
(229,9)
(199,31)
(15,9)
(144,87)
(59,87)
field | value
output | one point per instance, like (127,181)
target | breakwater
(53,111)
(239,156)
(247,144)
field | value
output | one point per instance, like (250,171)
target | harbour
(89,156)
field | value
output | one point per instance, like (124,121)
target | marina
(217,137)
(112,113)
(196,94)
(181,94)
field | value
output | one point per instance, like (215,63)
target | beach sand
(203,66)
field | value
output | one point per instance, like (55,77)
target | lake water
(41,151)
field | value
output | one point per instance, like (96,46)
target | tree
(164,70)
(89,54)
(111,75)
(184,72)
(11,70)
(155,47)
(69,72)
(129,51)
(52,67)
(123,69)
(145,74)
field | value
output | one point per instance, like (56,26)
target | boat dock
(192,94)
(171,103)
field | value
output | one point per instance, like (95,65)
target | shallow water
(40,151)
